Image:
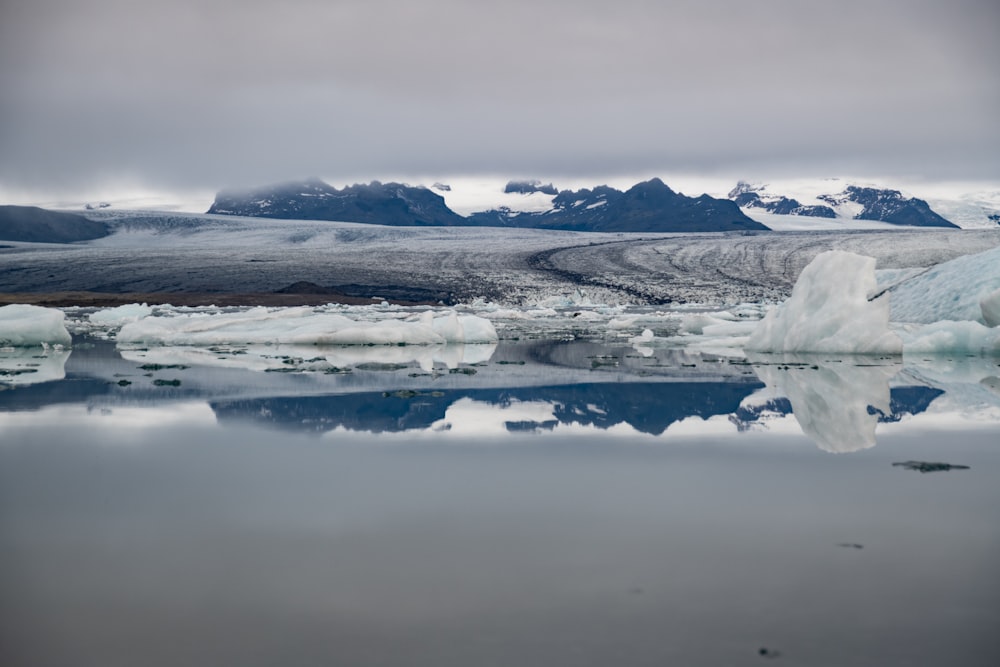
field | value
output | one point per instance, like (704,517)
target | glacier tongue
(829,311)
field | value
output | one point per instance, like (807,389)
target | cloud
(208,94)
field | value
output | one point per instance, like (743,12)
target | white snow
(302,326)
(829,311)
(26,326)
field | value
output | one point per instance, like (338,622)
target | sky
(207,94)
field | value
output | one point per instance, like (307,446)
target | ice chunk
(114,317)
(25,326)
(990,307)
(953,290)
(304,326)
(829,311)
(950,337)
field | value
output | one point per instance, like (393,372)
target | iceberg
(114,317)
(304,326)
(829,311)
(962,289)
(948,337)
(27,326)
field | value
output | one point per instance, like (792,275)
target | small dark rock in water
(928,466)
(851,545)
(765,652)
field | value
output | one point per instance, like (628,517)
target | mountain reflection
(514,387)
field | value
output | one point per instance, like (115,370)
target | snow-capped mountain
(650,206)
(852,201)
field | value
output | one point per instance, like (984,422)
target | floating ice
(114,317)
(304,326)
(964,288)
(950,337)
(25,326)
(829,311)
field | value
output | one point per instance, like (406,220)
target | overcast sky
(215,93)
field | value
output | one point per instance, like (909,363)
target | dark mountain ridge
(378,203)
(650,206)
(39,225)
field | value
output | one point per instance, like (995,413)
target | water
(540,503)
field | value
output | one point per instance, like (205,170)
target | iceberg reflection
(20,366)
(512,387)
(837,403)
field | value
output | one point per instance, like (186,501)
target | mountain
(853,202)
(889,206)
(754,196)
(646,207)
(379,203)
(527,187)
(650,206)
(39,225)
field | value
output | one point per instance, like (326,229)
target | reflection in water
(532,386)
(837,403)
(21,366)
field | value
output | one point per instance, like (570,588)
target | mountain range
(861,203)
(650,206)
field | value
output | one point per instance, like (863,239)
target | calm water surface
(542,504)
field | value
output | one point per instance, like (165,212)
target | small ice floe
(116,317)
(305,326)
(28,326)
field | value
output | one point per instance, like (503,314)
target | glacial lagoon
(541,501)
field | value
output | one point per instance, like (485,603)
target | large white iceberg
(963,289)
(304,326)
(26,326)
(829,311)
